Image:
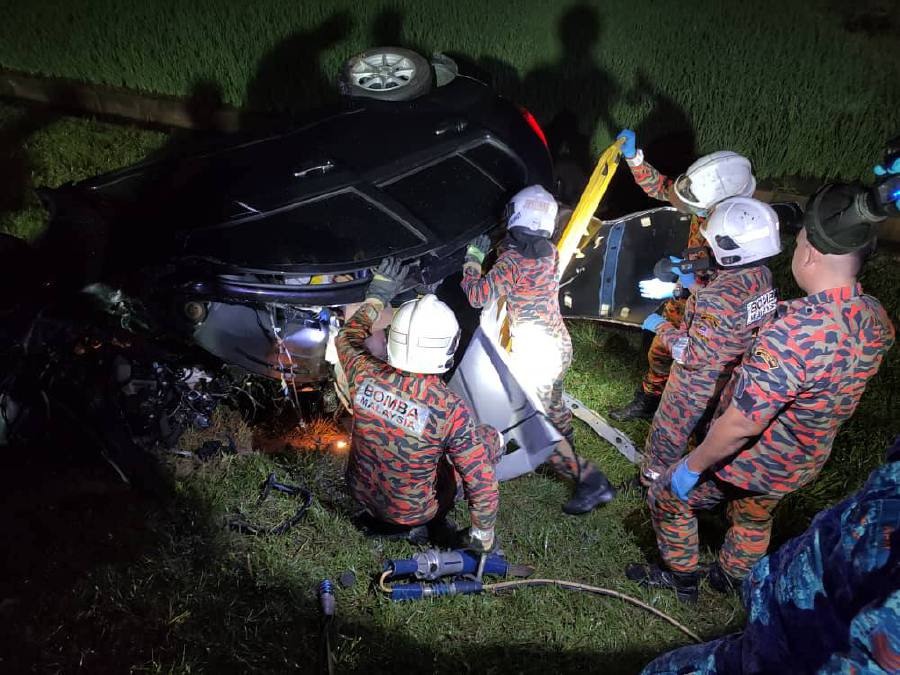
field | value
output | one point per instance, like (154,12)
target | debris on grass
(321,435)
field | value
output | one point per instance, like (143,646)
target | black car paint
(222,229)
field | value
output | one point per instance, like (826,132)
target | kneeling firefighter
(527,274)
(411,435)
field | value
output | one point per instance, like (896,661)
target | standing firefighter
(707,181)
(411,434)
(802,378)
(526,273)
(827,601)
(720,321)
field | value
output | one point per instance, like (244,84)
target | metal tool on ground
(433,564)
(604,429)
(239,521)
(328,605)
(457,566)
(482,559)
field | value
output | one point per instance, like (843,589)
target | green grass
(39,148)
(126,584)
(784,82)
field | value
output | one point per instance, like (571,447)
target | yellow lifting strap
(588,203)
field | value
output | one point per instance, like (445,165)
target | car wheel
(386,74)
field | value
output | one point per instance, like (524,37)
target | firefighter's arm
(726,437)
(648,178)
(350,340)
(480,290)
(670,335)
(470,458)
(706,343)
(771,377)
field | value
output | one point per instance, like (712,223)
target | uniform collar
(841,294)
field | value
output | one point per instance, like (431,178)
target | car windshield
(346,227)
(452,197)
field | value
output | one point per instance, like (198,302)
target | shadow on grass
(98,576)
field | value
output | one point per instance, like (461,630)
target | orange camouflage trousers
(675,524)
(658,356)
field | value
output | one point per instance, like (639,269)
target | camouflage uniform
(405,428)
(720,322)
(803,377)
(826,602)
(658,356)
(541,349)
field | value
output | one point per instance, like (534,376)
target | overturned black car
(253,248)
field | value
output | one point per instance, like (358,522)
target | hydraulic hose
(418,590)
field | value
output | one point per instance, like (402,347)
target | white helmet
(715,177)
(742,230)
(534,209)
(423,336)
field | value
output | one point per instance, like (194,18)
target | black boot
(590,493)
(374,528)
(722,581)
(653,576)
(642,407)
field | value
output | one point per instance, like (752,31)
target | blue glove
(654,289)
(894,168)
(686,279)
(683,480)
(652,322)
(890,170)
(628,148)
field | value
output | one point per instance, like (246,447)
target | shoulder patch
(710,319)
(761,306)
(393,408)
(769,360)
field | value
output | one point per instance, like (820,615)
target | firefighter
(707,181)
(825,602)
(411,435)
(720,321)
(526,273)
(800,381)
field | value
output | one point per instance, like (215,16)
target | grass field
(98,578)
(803,88)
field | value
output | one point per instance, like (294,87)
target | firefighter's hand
(654,289)
(387,279)
(684,480)
(629,149)
(652,322)
(891,169)
(686,279)
(480,541)
(477,249)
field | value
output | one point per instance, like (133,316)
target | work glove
(686,279)
(628,147)
(386,281)
(652,322)
(890,170)
(480,541)
(654,289)
(478,249)
(684,480)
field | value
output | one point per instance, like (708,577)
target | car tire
(386,74)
